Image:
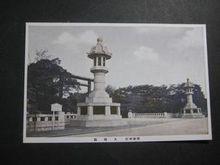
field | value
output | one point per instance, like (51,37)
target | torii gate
(89,81)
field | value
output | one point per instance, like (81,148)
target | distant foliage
(149,98)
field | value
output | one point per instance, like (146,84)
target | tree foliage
(149,98)
(48,83)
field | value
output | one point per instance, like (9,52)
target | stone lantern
(98,109)
(190,110)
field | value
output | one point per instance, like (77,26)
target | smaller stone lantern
(190,110)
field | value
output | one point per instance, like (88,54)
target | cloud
(87,38)
(146,53)
(192,39)
(64,38)
(161,32)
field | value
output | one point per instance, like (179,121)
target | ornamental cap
(99,50)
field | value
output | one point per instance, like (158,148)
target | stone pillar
(78,111)
(96,58)
(61,116)
(107,110)
(90,112)
(118,111)
(46,118)
(99,81)
(165,115)
(101,61)
(130,114)
(38,118)
(189,99)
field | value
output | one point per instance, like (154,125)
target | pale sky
(148,54)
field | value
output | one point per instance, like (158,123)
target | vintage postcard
(106,82)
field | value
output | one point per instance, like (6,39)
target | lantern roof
(188,84)
(99,50)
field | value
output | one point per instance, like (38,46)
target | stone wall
(45,122)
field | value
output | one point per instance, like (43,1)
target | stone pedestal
(192,112)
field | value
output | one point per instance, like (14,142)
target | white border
(119,138)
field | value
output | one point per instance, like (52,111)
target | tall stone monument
(98,110)
(190,110)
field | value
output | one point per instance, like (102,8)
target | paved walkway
(68,131)
(177,127)
(137,127)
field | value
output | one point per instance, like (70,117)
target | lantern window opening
(99,61)
(94,61)
(103,61)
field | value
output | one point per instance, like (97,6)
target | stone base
(98,97)
(192,115)
(192,112)
(98,111)
(98,123)
(44,126)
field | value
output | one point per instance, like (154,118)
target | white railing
(155,115)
